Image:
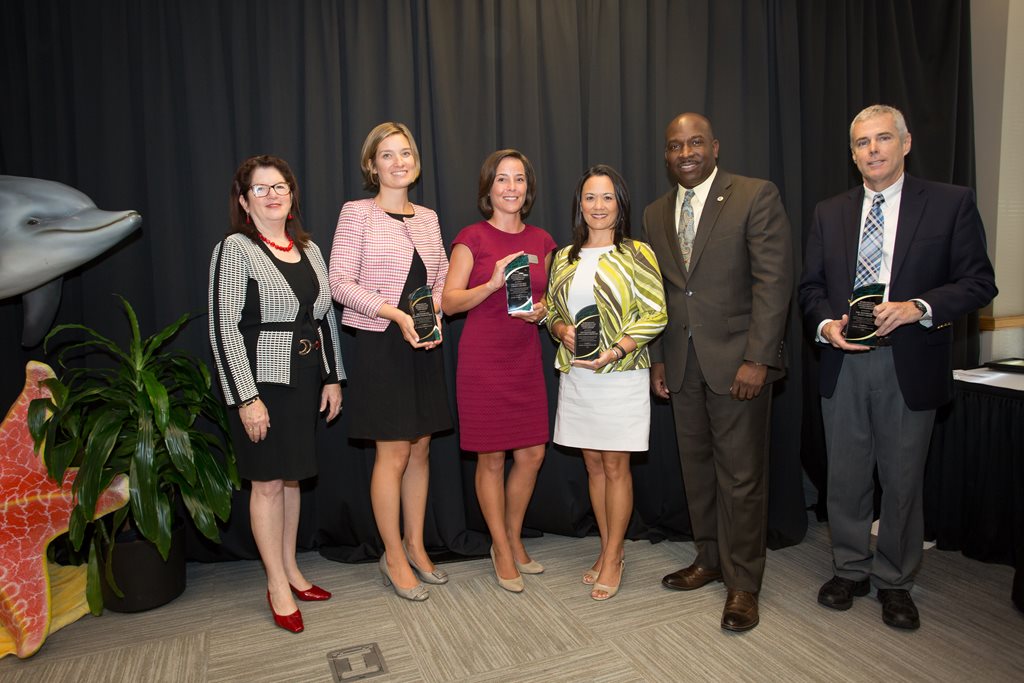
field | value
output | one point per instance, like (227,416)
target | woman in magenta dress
(500,388)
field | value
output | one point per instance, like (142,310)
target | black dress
(288,452)
(396,392)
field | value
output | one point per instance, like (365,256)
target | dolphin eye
(33,221)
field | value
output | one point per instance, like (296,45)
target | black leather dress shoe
(898,608)
(691,577)
(740,613)
(838,593)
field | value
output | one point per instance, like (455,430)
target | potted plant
(147,416)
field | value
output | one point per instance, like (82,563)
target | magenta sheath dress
(500,389)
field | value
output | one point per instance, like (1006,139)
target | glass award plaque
(588,333)
(518,290)
(424,318)
(861,328)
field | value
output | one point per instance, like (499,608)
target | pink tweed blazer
(371,256)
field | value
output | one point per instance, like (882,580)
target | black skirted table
(974,482)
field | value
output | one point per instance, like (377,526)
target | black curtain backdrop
(151,106)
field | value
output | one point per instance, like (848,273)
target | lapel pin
(721,198)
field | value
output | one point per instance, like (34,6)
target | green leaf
(142,484)
(93,590)
(179,447)
(135,343)
(59,458)
(76,527)
(107,543)
(157,398)
(97,342)
(165,517)
(58,391)
(101,441)
(39,411)
(214,482)
(200,512)
(157,340)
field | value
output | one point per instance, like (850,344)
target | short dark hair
(490,169)
(237,216)
(579,225)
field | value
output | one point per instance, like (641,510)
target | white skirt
(604,411)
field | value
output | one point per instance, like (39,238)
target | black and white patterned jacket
(237,263)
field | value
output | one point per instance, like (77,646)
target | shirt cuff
(926,319)
(817,336)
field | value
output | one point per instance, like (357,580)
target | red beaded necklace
(277,246)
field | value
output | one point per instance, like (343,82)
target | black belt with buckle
(307,346)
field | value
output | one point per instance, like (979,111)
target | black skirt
(289,451)
(396,392)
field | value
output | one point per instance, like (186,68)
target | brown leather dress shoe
(691,577)
(740,612)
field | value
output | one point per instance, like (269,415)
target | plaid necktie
(687,231)
(869,257)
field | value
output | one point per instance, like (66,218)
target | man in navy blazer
(879,403)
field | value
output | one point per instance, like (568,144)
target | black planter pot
(146,580)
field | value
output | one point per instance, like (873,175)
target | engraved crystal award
(518,291)
(861,328)
(588,333)
(424,318)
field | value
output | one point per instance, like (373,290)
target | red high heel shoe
(314,592)
(289,622)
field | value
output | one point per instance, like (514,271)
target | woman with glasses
(604,401)
(387,254)
(275,345)
(503,402)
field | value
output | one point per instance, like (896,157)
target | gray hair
(881,110)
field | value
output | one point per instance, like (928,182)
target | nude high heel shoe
(417,593)
(436,577)
(511,585)
(609,590)
(531,567)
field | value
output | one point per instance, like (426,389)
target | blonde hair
(379,133)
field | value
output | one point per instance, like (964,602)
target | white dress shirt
(700,198)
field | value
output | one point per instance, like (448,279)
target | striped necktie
(687,230)
(869,257)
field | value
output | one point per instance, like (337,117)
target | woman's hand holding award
(424,317)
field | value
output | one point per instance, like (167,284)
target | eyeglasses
(263,190)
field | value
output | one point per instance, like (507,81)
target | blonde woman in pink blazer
(385,248)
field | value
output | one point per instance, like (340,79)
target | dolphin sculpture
(48,229)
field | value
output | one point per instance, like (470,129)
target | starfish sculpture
(34,510)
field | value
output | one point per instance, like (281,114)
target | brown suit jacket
(735,298)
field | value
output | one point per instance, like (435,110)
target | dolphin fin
(40,308)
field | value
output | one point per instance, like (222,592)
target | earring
(248,218)
(289,216)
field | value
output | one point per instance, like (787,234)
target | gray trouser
(867,423)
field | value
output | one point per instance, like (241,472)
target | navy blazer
(940,257)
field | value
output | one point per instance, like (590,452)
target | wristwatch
(920,306)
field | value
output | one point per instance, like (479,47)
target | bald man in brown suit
(724,245)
